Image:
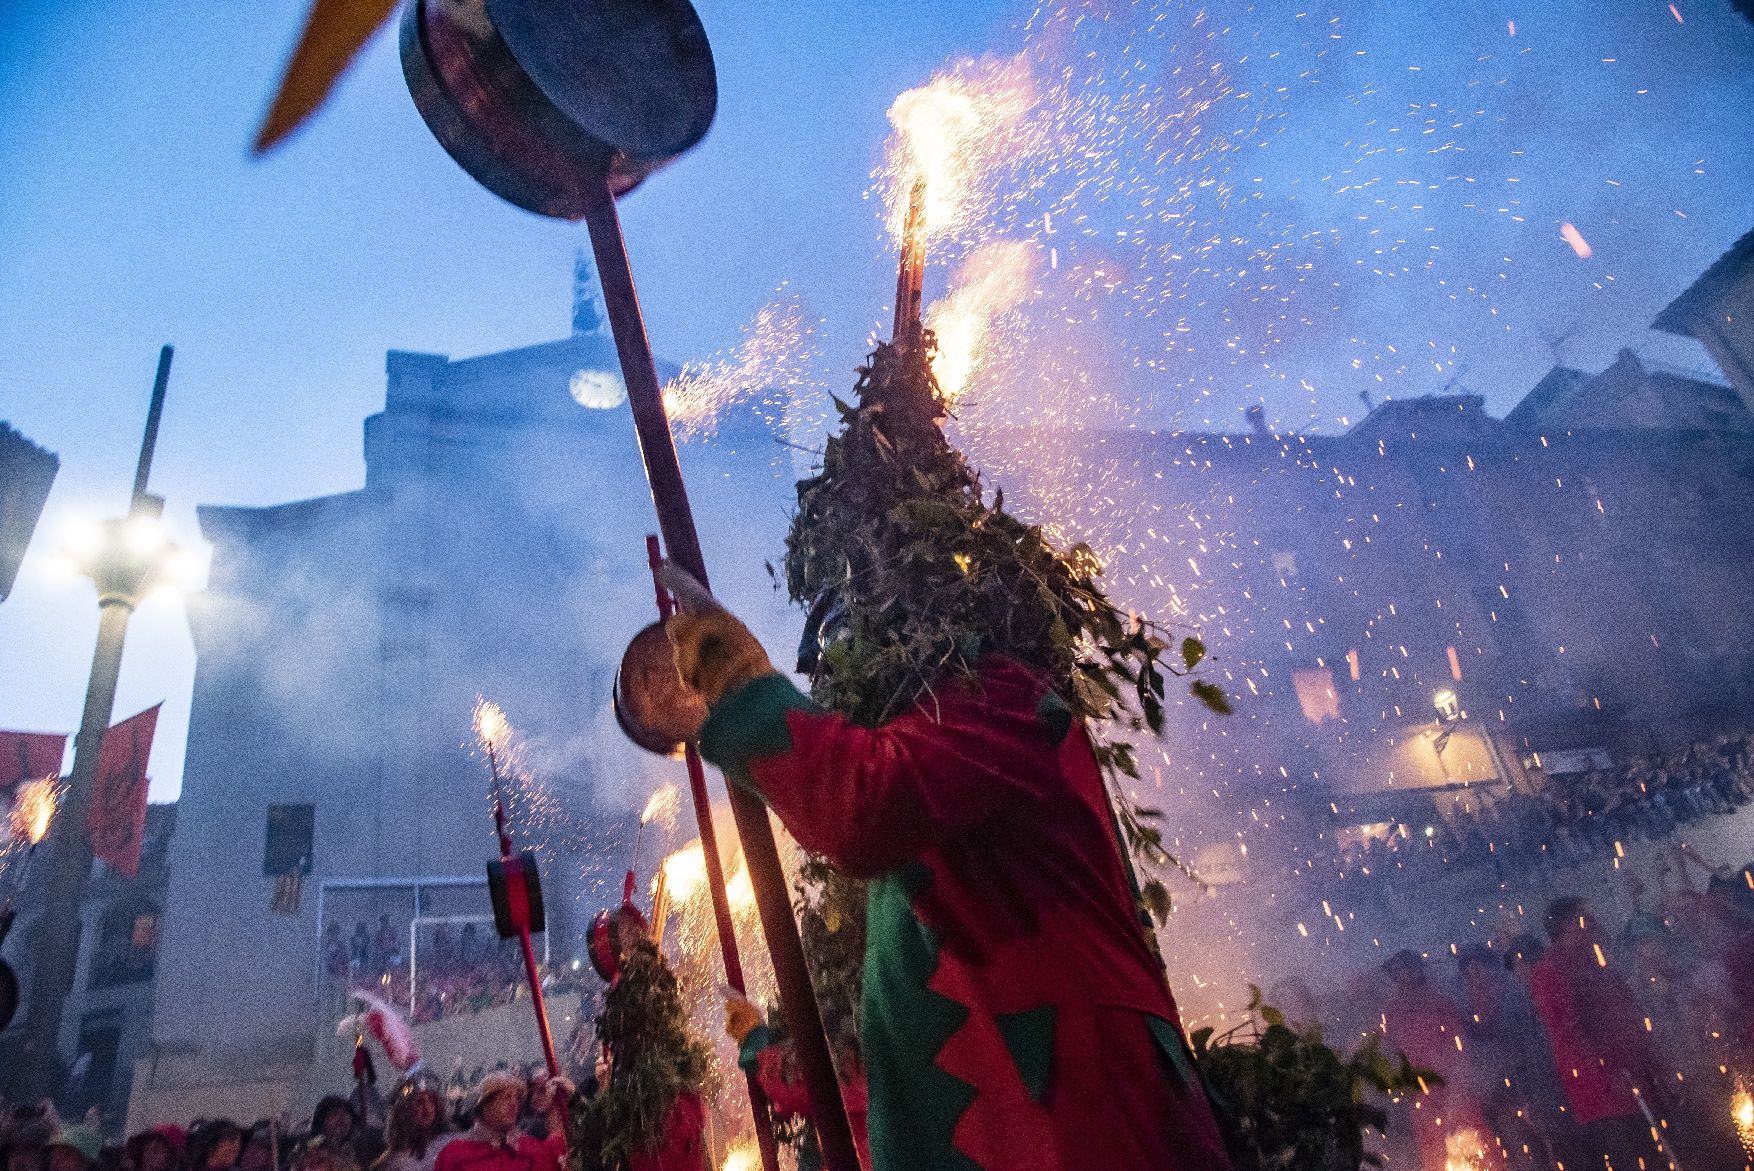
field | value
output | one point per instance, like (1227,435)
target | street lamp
(124,557)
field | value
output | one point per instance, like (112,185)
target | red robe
(1596,1030)
(1014,1016)
(479,1149)
(787,1095)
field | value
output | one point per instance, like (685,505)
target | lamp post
(1449,714)
(122,559)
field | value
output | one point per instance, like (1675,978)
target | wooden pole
(910,271)
(676,523)
(715,882)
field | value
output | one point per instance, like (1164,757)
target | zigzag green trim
(915,1104)
(749,723)
(1029,1035)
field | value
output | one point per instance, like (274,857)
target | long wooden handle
(676,523)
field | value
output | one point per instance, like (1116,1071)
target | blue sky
(130,215)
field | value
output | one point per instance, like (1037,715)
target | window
(127,944)
(288,840)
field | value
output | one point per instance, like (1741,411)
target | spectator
(151,1150)
(417,1129)
(216,1145)
(318,1154)
(495,1143)
(1598,1041)
(336,1120)
(74,1148)
(1426,1025)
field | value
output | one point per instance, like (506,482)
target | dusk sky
(1366,197)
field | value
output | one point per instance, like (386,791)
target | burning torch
(513,881)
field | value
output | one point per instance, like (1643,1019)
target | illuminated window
(1316,694)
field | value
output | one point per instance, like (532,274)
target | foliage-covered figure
(1013,1013)
(647,1114)
(1288,1102)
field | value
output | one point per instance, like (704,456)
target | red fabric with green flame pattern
(1014,1016)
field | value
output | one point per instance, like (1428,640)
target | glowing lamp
(1449,708)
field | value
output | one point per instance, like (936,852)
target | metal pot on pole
(561,108)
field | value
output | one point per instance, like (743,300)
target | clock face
(600,390)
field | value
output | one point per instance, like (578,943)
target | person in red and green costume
(1014,1016)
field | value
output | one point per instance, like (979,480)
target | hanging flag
(30,756)
(118,802)
(288,893)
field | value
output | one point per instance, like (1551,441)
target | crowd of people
(1572,1044)
(1570,819)
(462,970)
(507,1122)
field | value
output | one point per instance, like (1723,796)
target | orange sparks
(33,808)
(740,891)
(491,727)
(1569,233)
(662,805)
(951,132)
(1676,13)
(1512,25)
(775,353)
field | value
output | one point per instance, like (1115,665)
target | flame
(742,1156)
(1569,233)
(1465,1150)
(662,805)
(33,808)
(740,891)
(685,872)
(1742,1115)
(954,131)
(995,278)
(491,727)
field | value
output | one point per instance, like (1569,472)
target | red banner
(118,803)
(29,756)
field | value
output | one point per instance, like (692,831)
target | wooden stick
(715,878)
(676,523)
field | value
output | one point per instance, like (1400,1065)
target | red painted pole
(535,980)
(676,523)
(715,881)
(522,915)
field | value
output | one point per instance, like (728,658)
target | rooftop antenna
(1454,385)
(1556,339)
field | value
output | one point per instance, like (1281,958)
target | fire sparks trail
(685,873)
(1742,1115)
(742,1157)
(953,133)
(777,356)
(662,806)
(491,728)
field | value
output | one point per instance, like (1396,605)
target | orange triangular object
(333,37)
